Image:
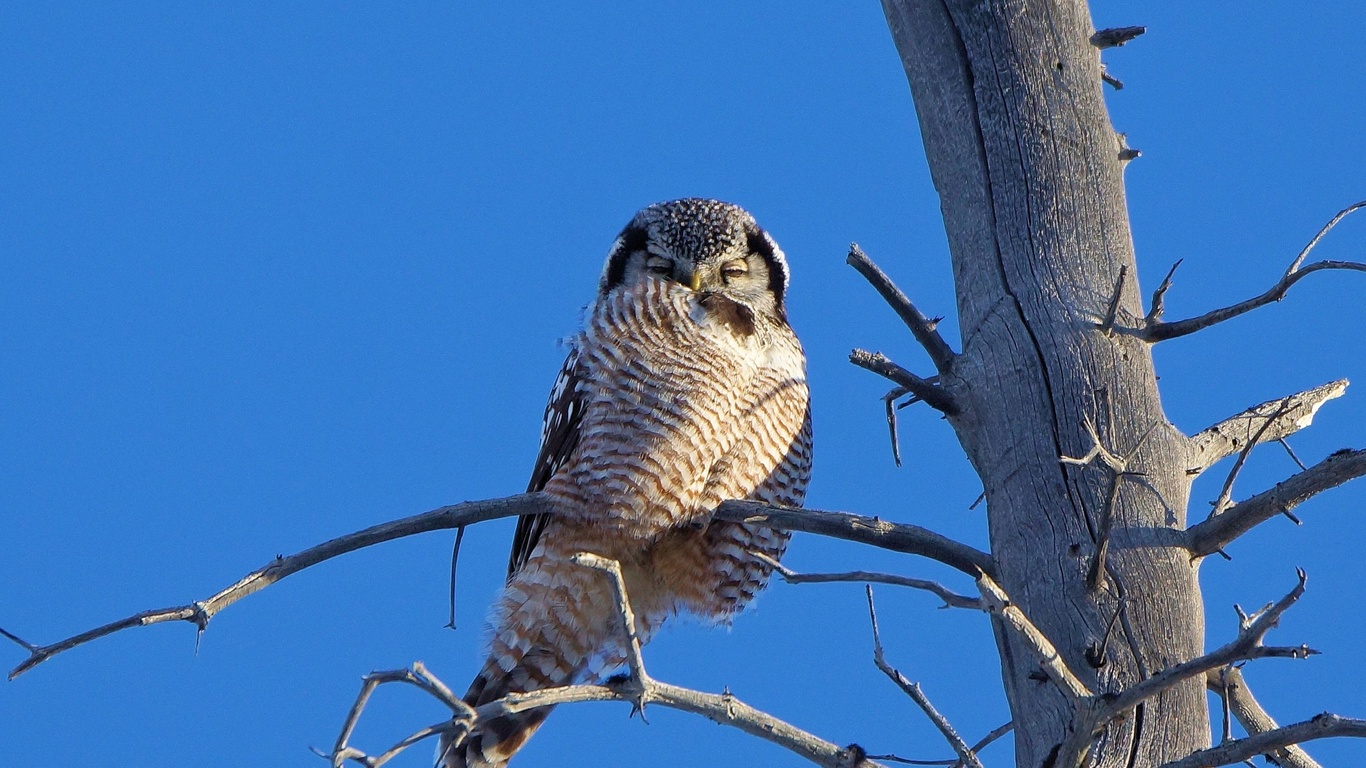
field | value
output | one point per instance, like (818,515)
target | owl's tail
(495,741)
(553,625)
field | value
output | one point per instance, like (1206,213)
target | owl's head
(710,247)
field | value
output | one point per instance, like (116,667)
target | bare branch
(898,537)
(991,736)
(1237,699)
(1045,653)
(637,687)
(1114,37)
(985,741)
(1159,296)
(1217,532)
(723,709)
(901,538)
(1161,331)
(1272,420)
(1291,451)
(1319,727)
(1109,79)
(1333,222)
(455,561)
(933,394)
(889,401)
(951,599)
(1097,652)
(922,327)
(199,613)
(960,747)
(462,715)
(1247,645)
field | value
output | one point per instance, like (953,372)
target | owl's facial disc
(707,246)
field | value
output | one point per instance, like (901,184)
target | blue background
(274,272)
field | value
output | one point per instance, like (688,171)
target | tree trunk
(1029,174)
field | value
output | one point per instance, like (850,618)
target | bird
(686,387)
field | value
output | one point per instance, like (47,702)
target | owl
(685,388)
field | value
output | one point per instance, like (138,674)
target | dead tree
(1091,581)
(1053,394)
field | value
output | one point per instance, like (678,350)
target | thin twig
(1109,79)
(1161,331)
(637,688)
(951,599)
(1226,492)
(936,396)
(1215,533)
(991,736)
(1096,654)
(461,716)
(923,328)
(1159,296)
(889,400)
(1118,468)
(455,560)
(1293,457)
(640,689)
(960,747)
(1107,527)
(1226,438)
(1107,326)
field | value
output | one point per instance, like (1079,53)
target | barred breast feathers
(669,399)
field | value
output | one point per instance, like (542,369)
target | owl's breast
(668,398)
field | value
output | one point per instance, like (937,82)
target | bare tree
(1091,581)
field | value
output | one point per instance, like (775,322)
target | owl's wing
(559,436)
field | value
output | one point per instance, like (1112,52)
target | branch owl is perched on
(686,387)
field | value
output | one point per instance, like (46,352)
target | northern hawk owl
(685,388)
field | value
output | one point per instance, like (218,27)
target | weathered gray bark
(1029,175)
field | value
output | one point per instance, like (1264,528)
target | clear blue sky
(270,273)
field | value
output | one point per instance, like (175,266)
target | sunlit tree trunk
(1029,173)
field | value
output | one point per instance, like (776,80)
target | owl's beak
(696,281)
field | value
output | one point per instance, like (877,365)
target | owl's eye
(734,269)
(659,265)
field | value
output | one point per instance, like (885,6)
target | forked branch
(1228,683)
(924,329)
(933,394)
(1247,645)
(966,756)
(951,599)
(1321,726)
(462,715)
(1156,330)
(1217,532)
